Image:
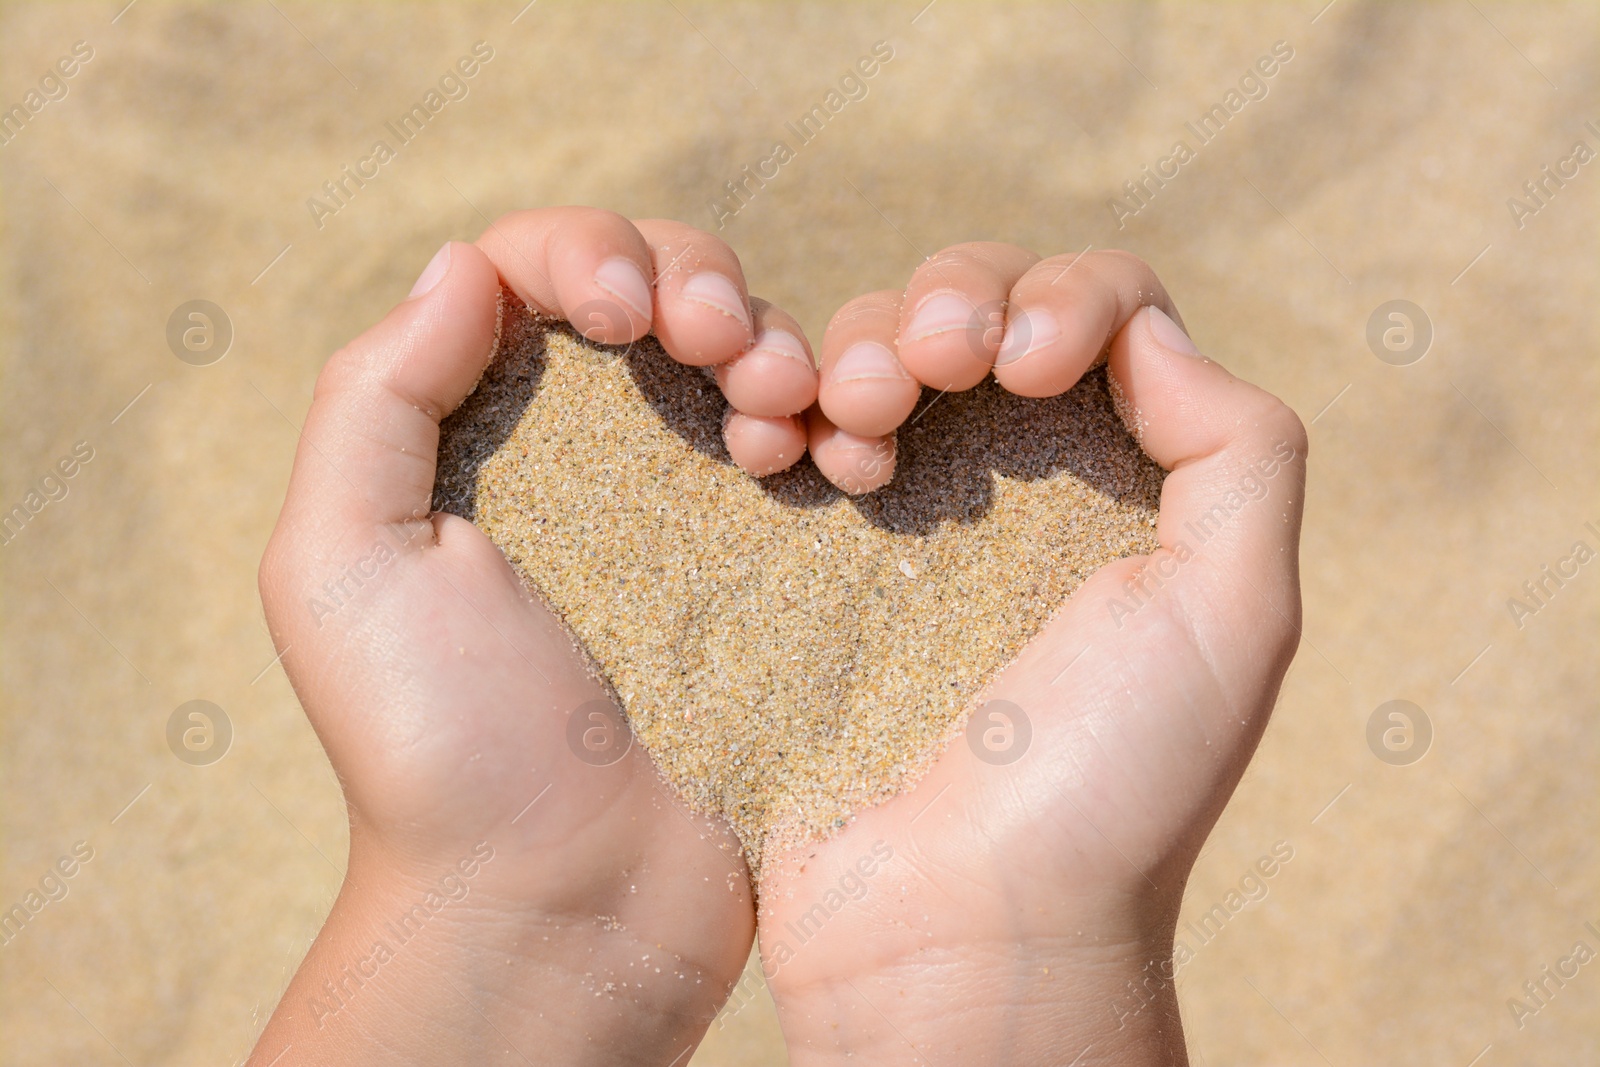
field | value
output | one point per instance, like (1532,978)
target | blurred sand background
(177,167)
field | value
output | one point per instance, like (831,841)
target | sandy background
(1377,168)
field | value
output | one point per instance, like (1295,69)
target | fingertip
(1181,404)
(764,445)
(717,292)
(1232,503)
(867,391)
(1044,352)
(469,266)
(625,281)
(1168,334)
(432,346)
(703,311)
(948,342)
(774,376)
(586,265)
(854,463)
(864,388)
(433,273)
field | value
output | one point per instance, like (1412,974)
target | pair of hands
(505,899)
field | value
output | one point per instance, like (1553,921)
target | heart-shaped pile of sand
(788,655)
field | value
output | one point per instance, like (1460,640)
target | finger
(855,463)
(702,306)
(368,448)
(864,389)
(776,375)
(582,264)
(954,313)
(362,483)
(1229,526)
(764,445)
(769,385)
(1063,313)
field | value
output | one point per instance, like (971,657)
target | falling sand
(787,654)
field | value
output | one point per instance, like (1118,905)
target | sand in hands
(787,654)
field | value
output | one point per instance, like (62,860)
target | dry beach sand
(787,654)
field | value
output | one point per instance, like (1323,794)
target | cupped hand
(571,910)
(1018,905)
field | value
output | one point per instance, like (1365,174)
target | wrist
(999,1004)
(424,961)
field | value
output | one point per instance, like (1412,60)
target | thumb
(368,449)
(1229,526)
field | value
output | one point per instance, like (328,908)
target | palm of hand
(1095,793)
(444,704)
(1127,733)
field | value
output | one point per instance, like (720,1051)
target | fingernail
(622,279)
(1027,332)
(783,343)
(1169,335)
(433,273)
(715,291)
(941,313)
(867,359)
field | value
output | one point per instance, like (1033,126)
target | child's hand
(1028,910)
(598,270)
(508,886)
(970,310)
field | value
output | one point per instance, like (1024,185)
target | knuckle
(581,225)
(866,306)
(512,223)
(583,214)
(333,378)
(1127,265)
(1111,270)
(977,255)
(708,244)
(270,573)
(1286,424)
(1069,269)
(1277,421)
(1123,258)
(519,224)
(679,249)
